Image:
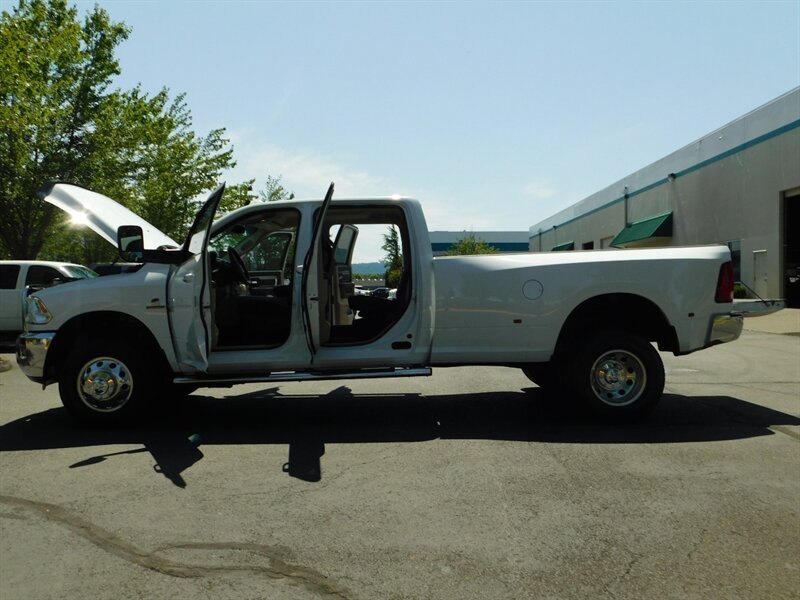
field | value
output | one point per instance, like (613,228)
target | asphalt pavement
(467,484)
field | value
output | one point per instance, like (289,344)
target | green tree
(236,196)
(393,260)
(60,121)
(53,77)
(274,190)
(470,244)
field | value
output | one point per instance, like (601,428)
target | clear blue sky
(495,115)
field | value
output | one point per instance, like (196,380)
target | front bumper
(32,353)
(726,328)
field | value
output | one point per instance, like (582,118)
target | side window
(40,275)
(8,276)
(266,244)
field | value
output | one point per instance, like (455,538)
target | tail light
(725,283)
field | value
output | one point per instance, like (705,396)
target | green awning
(646,232)
(564,246)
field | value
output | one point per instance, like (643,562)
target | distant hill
(373,268)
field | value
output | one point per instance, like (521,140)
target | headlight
(37,313)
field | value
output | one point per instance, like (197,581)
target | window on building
(587,246)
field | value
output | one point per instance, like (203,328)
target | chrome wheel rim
(105,384)
(618,378)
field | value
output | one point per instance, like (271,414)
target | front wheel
(616,374)
(104,382)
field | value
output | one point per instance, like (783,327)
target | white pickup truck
(265,294)
(18,277)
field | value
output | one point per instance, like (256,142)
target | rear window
(8,276)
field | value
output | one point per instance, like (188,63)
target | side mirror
(130,241)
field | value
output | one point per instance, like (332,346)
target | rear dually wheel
(616,374)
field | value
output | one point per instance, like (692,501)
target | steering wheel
(240,271)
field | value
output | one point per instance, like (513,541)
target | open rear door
(189,292)
(340,272)
(311,293)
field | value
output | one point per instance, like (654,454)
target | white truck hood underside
(102,214)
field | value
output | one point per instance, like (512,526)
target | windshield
(78,272)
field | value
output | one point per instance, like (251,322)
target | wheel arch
(105,324)
(625,312)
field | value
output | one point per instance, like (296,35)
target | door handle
(188,278)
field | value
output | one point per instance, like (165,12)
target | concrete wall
(728,186)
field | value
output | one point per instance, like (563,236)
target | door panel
(311,293)
(190,313)
(339,276)
(189,292)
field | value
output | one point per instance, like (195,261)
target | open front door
(312,295)
(189,292)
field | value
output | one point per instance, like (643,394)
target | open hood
(101,214)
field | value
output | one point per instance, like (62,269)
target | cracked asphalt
(467,484)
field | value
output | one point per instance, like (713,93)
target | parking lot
(467,484)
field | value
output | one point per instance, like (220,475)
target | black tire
(545,375)
(615,374)
(104,381)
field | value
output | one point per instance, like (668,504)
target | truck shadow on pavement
(306,423)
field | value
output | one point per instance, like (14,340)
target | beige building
(739,185)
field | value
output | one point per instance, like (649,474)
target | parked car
(381,292)
(17,277)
